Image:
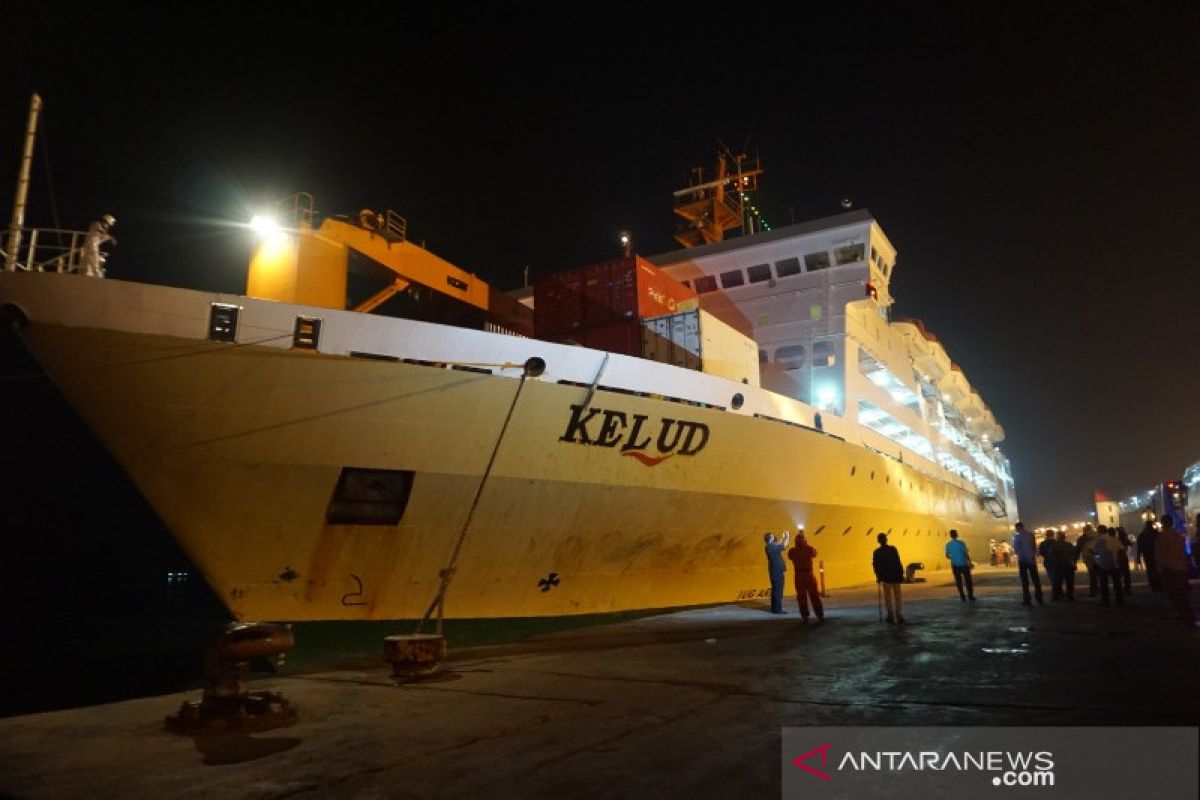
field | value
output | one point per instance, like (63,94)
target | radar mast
(711,206)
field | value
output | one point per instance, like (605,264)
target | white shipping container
(721,349)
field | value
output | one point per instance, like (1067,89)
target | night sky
(1036,167)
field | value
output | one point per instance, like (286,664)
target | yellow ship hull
(239,448)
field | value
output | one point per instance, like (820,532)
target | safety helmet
(109,220)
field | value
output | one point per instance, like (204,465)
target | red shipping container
(558,305)
(656,292)
(628,288)
(597,294)
(616,337)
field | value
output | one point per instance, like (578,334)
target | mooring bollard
(226,703)
(414,656)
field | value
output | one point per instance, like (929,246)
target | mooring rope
(531,368)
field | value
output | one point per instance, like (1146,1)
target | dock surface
(687,704)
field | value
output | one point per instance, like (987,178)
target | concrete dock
(687,704)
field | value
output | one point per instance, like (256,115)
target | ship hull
(564,502)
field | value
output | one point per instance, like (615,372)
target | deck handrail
(35,253)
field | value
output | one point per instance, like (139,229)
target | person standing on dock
(1107,549)
(1048,550)
(1123,560)
(1026,552)
(889,573)
(776,568)
(801,556)
(1086,554)
(1171,558)
(1066,564)
(960,565)
(1145,554)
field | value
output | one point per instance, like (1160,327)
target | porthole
(852,471)
(737,401)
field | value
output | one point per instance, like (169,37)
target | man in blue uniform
(775,568)
(960,563)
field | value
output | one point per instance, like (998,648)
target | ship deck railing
(43,250)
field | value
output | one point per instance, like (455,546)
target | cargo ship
(370,432)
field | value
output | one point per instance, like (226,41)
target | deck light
(264,225)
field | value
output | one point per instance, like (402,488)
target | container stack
(602,305)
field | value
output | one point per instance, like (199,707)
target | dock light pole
(18,215)
(626,239)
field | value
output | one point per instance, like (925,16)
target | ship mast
(18,215)
(711,207)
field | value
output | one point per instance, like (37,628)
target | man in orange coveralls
(801,556)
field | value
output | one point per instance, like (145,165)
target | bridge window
(823,355)
(848,254)
(705,284)
(815,261)
(790,356)
(788,266)
(732,278)
(759,273)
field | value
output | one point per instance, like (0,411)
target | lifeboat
(954,387)
(973,408)
(927,352)
(985,424)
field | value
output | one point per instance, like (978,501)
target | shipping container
(699,340)
(602,294)
(558,305)
(616,337)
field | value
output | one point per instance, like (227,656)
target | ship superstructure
(815,297)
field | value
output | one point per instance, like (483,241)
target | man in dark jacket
(1145,554)
(889,573)
(1066,563)
(1048,550)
